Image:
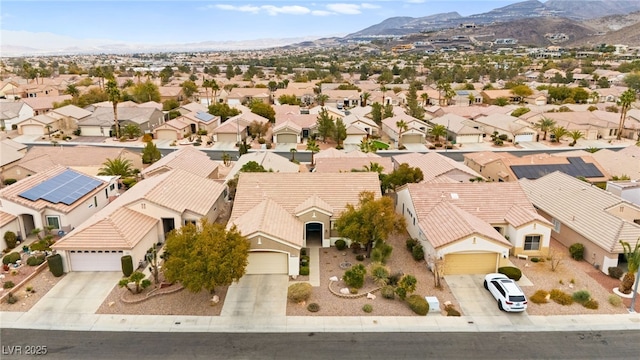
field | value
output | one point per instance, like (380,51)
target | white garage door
(268,263)
(524,137)
(412,139)
(166,135)
(32,130)
(95,260)
(287,139)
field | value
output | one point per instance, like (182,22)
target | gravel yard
(570,276)
(400,261)
(41,283)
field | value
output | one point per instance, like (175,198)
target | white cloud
(349,9)
(291,10)
(243,8)
(369,6)
(321,13)
(415,1)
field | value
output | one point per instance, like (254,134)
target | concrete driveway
(257,296)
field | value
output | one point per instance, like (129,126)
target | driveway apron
(257,296)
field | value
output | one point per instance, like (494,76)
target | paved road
(145,345)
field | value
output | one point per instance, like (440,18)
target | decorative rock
(111,303)
(447,303)
(215,299)
(371,296)
(345,291)
(570,286)
(333,278)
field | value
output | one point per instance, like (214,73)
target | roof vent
(455,196)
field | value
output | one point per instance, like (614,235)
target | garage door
(524,137)
(268,263)
(287,139)
(227,138)
(166,135)
(32,130)
(477,263)
(412,139)
(95,260)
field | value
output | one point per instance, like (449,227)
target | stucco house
(69,116)
(415,133)
(472,228)
(13,112)
(461,130)
(174,129)
(280,220)
(139,219)
(435,166)
(39,125)
(186,158)
(10,153)
(60,197)
(585,214)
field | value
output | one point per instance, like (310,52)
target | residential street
(70,345)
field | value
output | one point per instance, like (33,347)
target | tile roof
(487,157)
(40,158)
(335,153)
(186,158)
(6,218)
(270,218)
(621,162)
(12,193)
(72,111)
(458,124)
(336,189)
(269,160)
(434,165)
(45,102)
(346,164)
(122,229)
(583,208)
(10,151)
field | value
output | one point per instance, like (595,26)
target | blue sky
(68,23)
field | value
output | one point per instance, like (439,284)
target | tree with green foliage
(501,101)
(558,133)
(545,125)
(313,147)
(189,88)
(131,131)
(339,132)
(364,97)
(404,174)
(205,256)
(223,110)
(325,124)
(522,91)
(252,166)
(413,105)
(72,90)
(285,99)
(402,127)
(113,92)
(138,279)
(520,111)
(150,153)
(370,222)
(633,263)
(376,113)
(437,131)
(263,109)
(259,129)
(388,111)
(633,81)
(575,135)
(170,104)
(117,166)
(444,91)
(367,145)
(625,101)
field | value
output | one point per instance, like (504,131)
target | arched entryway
(313,234)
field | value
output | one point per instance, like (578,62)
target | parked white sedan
(508,294)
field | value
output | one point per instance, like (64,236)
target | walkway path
(314,266)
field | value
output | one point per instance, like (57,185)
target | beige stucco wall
(489,171)
(517,237)
(12,226)
(271,244)
(625,211)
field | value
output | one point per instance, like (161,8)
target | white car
(509,295)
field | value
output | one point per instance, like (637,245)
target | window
(556,225)
(113,186)
(532,242)
(53,221)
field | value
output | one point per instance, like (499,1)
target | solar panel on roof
(575,168)
(66,187)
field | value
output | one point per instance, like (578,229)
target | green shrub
(128,182)
(8,284)
(535,259)
(313,307)
(381,252)
(615,300)
(417,252)
(35,260)
(367,308)
(577,251)
(341,244)
(11,239)
(11,258)
(379,273)
(418,304)
(410,243)
(360,257)
(591,304)
(615,272)
(512,272)
(539,297)
(388,292)
(581,296)
(55,265)
(406,286)
(126,264)
(299,292)
(304,270)
(395,278)
(10,181)
(12,299)
(451,311)
(353,290)
(561,297)
(303,251)
(40,245)
(354,277)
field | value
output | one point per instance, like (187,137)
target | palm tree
(633,262)
(425,98)
(366,145)
(206,84)
(545,125)
(383,88)
(117,166)
(313,147)
(575,135)
(402,127)
(48,127)
(595,97)
(437,131)
(214,89)
(321,98)
(293,154)
(114,96)
(559,132)
(131,131)
(626,99)
(72,90)
(364,98)
(138,74)
(444,88)
(226,158)
(374,167)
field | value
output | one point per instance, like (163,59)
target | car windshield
(516,298)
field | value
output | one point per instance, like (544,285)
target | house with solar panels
(59,198)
